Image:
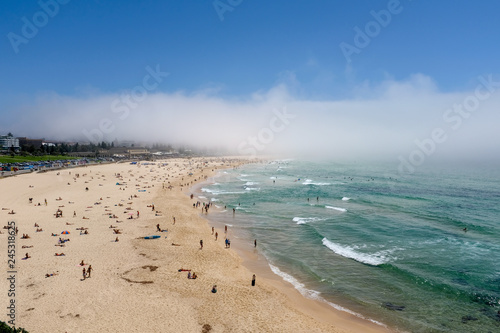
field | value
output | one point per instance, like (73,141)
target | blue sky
(93,49)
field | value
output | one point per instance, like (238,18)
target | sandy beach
(139,284)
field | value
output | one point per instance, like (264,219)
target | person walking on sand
(225,229)
(90,270)
(253,280)
(201,244)
(212,230)
(216,235)
(255,243)
(137,214)
(84,273)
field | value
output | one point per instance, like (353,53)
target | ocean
(389,247)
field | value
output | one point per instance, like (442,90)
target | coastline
(257,263)
(136,284)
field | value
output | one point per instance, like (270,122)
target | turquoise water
(388,247)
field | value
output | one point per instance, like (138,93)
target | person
(189,274)
(255,243)
(82,263)
(84,273)
(226,241)
(214,289)
(27,256)
(225,229)
(90,270)
(116,240)
(212,230)
(158,227)
(216,235)
(253,280)
(194,276)
(201,244)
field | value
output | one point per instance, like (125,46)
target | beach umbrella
(66,232)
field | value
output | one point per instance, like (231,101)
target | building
(7,143)
(36,143)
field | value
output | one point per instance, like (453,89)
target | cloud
(380,121)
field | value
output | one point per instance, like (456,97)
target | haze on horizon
(299,83)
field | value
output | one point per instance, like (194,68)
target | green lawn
(20,159)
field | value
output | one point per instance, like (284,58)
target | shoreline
(256,262)
(136,284)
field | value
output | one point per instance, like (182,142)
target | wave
(346,199)
(202,197)
(337,208)
(310,182)
(304,220)
(250,183)
(349,252)
(214,199)
(315,295)
(252,189)
(217,192)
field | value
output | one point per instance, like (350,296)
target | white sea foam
(337,208)
(250,183)
(313,294)
(297,285)
(374,259)
(217,192)
(202,197)
(304,220)
(346,199)
(252,189)
(214,199)
(310,182)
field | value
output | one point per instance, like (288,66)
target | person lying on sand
(85,218)
(59,254)
(39,229)
(112,226)
(61,245)
(184,270)
(12,212)
(67,223)
(27,246)
(117,231)
(173,244)
(51,274)
(25,236)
